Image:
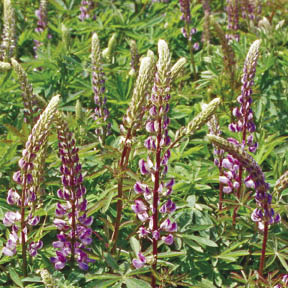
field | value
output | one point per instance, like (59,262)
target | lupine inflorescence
(8,45)
(41,15)
(186,17)
(98,83)
(30,102)
(86,9)
(71,219)
(232,10)
(244,124)
(264,214)
(134,63)
(146,206)
(20,221)
(251,9)
(206,25)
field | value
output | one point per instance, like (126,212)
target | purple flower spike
(73,210)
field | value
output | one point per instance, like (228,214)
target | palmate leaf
(200,240)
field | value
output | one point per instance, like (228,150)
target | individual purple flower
(75,235)
(168,239)
(140,261)
(168,207)
(34,247)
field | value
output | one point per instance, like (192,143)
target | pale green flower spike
(164,62)
(8,45)
(177,68)
(28,97)
(39,166)
(143,82)
(281,183)
(78,110)
(47,278)
(95,47)
(107,52)
(203,117)
(44,122)
(252,57)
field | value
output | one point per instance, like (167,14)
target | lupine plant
(140,175)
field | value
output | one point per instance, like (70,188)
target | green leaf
(102,276)
(201,240)
(135,245)
(15,277)
(171,254)
(136,283)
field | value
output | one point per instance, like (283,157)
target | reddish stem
(263,252)
(155,202)
(238,194)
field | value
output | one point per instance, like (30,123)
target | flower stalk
(149,197)
(71,219)
(131,123)
(264,214)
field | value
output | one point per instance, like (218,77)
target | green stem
(263,251)
(123,160)
(191,51)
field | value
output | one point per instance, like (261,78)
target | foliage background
(209,252)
